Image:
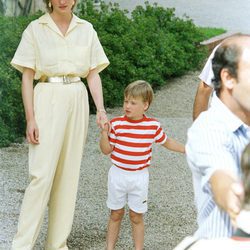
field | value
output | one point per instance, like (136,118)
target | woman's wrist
(102,110)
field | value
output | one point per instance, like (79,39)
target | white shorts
(128,187)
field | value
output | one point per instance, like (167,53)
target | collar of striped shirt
(231,121)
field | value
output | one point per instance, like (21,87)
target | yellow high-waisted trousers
(61,113)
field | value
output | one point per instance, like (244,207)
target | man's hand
(234,199)
(228,192)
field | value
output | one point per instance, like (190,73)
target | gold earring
(50,5)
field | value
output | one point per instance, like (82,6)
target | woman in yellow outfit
(56,49)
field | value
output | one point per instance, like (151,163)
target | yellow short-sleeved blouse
(44,49)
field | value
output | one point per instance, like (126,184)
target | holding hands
(101,118)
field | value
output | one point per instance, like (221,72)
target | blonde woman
(58,49)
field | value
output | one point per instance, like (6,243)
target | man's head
(231,67)
(245,166)
(138,96)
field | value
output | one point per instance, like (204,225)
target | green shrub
(12,122)
(152,44)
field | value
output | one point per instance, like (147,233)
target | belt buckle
(66,80)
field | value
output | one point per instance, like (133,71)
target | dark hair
(245,166)
(50,9)
(226,57)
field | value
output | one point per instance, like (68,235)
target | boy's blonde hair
(141,89)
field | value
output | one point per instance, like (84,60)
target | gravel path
(171,214)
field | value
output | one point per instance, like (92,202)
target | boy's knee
(117,215)
(135,218)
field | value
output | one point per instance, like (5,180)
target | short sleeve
(160,135)
(25,53)
(98,59)
(112,135)
(207,73)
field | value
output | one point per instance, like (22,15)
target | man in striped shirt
(217,138)
(130,144)
(241,237)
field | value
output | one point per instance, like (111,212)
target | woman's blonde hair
(50,9)
(141,89)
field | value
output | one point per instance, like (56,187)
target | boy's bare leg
(138,229)
(114,227)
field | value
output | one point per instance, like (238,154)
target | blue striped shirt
(215,141)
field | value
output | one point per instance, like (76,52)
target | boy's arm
(105,145)
(173,145)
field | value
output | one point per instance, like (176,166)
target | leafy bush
(12,122)
(152,44)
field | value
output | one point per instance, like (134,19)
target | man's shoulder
(209,123)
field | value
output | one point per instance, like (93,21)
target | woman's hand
(101,119)
(32,132)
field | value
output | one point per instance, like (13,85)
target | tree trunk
(26,7)
(2,9)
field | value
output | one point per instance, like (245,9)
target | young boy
(130,143)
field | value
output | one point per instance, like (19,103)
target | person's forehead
(245,56)
(133,98)
(244,62)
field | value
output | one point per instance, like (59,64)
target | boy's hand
(106,128)
(101,119)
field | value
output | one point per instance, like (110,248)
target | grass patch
(209,32)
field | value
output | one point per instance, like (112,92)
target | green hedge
(151,44)
(12,121)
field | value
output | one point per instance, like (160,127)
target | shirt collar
(46,19)
(135,121)
(231,120)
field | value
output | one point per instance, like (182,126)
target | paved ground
(171,213)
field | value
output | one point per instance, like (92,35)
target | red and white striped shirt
(132,141)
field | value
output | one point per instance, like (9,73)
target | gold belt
(61,79)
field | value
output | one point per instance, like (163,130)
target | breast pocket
(49,58)
(80,55)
